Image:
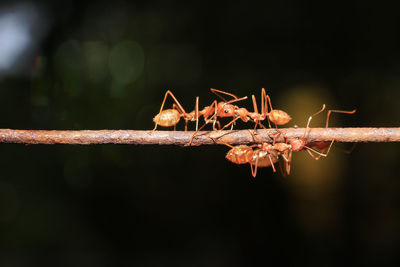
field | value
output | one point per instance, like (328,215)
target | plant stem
(92,137)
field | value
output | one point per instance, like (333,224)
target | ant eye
(226,111)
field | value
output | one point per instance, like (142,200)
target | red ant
(278,117)
(243,154)
(291,145)
(171,117)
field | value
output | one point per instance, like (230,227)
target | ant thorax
(281,147)
(242,113)
(266,147)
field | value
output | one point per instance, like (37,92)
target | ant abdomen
(265,158)
(167,118)
(279,117)
(241,154)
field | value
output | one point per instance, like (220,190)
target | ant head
(297,144)
(225,110)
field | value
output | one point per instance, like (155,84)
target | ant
(171,117)
(243,154)
(285,149)
(226,109)
(276,116)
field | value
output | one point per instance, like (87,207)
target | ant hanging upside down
(266,154)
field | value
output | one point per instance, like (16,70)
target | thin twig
(91,137)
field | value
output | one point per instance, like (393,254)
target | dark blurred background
(107,64)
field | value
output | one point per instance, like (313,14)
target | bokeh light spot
(14,37)
(126,62)
(68,66)
(95,59)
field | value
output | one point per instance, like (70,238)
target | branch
(92,137)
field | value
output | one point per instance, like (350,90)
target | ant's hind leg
(272,163)
(311,117)
(265,99)
(320,154)
(196,114)
(337,111)
(254,169)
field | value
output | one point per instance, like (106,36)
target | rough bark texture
(91,137)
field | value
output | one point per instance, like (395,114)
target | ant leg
(315,114)
(348,151)
(174,106)
(255,137)
(218,92)
(276,137)
(263,110)
(255,111)
(321,154)
(281,169)
(287,157)
(221,142)
(236,100)
(315,157)
(337,111)
(265,99)
(230,123)
(180,108)
(196,113)
(310,118)
(213,117)
(215,114)
(272,163)
(259,123)
(289,162)
(254,170)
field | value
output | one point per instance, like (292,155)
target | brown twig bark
(91,137)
